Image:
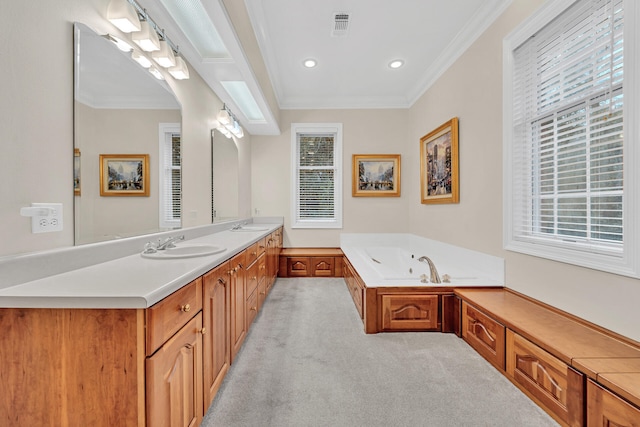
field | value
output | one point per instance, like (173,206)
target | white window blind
(565,149)
(170,176)
(317,166)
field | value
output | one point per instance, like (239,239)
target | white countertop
(128,282)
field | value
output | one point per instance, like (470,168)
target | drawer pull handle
(203,331)
(254,277)
(263,293)
(253,253)
(221,280)
(254,309)
(482,327)
(185,308)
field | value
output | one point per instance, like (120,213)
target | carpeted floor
(307,362)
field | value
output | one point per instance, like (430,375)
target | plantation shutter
(567,157)
(171,182)
(316,177)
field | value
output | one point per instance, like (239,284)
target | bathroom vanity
(131,354)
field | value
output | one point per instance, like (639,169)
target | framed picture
(376,175)
(439,164)
(76,171)
(124,174)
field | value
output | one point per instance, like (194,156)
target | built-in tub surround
(392,259)
(114,274)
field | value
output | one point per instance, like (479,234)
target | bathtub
(392,260)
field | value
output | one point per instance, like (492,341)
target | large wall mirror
(121,109)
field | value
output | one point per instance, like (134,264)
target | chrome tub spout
(435,277)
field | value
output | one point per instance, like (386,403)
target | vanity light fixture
(123,15)
(396,63)
(146,38)
(165,56)
(310,63)
(180,71)
(229,123)
(141,59)
(156,73)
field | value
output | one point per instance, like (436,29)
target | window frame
(165,134)
(316,128)
(625,262)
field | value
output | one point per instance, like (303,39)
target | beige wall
(364,132)
(36,129)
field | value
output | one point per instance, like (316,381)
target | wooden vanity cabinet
(238,303)
(174,379)
(546,379)
(174,382)
(484,334)
(216,313)
(606,409)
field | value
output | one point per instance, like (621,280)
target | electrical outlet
(50,221)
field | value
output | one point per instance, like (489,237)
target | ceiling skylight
(194,21)
(241,95)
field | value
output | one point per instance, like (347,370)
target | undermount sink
(250,228)
(185,251)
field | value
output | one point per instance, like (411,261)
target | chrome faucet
(435,277)
(169,242)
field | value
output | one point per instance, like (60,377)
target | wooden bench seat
(565,364)
(310,262)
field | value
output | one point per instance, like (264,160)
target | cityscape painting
(439,164)
(124,174)
(376,175)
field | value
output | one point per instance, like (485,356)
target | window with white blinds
(566,175)
(170,176)
(317,166)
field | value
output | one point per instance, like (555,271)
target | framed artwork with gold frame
(439,165)
(376,175)
(124,174)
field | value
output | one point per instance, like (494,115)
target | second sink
(185,251)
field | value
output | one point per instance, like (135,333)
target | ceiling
(352,70)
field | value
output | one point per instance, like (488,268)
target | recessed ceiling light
(396,63)
(310,63)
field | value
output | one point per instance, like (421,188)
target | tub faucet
(435,277)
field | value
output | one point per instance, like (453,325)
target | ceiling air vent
(340,24)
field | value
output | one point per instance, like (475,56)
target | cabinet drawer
(253,252)
(484,334)
(252,278)
(546,378)
(606,409)
(409,312)
(252,308)
(262,267)
(166,317)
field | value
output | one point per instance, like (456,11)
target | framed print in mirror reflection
(124,174)
(439,164)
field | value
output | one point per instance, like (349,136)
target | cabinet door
(238,303)
(409,312)
(322,266)
(216,312)
(484,334)
(545,378)
(606,409)
(174,379)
